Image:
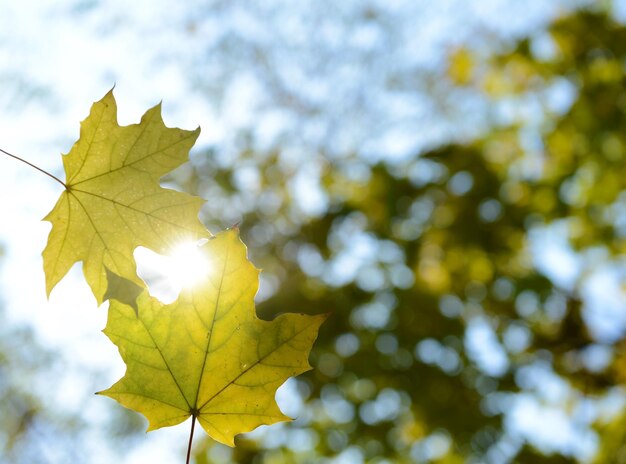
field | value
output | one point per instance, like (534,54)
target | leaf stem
(193,424)
(36,167)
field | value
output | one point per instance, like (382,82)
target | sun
(166,275)
(188,266)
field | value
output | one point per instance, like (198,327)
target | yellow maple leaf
(113,202)
(207,355)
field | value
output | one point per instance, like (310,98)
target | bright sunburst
(187,265)
(166,276)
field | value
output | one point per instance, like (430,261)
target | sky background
(217,64)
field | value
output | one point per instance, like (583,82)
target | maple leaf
(207,355)
(113,202)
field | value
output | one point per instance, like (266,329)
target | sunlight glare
(166,276)
(188,266)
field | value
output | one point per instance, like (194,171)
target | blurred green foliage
(411,256)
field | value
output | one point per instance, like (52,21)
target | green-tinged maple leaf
(207,354)
(113,202)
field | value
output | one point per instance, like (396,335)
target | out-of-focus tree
(459,332)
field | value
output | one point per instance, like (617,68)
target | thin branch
(193,425)
(36,167)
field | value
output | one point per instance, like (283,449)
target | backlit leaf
(113,202)
(207,354)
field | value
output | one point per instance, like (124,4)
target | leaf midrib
(212,325)
(89,144)
(117,203)
(124,166)
(254,364)
(166,364)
